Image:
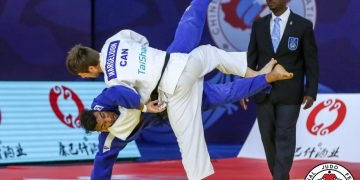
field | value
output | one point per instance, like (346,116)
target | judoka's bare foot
(268,67)
(278,73)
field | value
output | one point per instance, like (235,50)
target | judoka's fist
(155,107)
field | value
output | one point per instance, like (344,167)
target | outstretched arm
(219,94)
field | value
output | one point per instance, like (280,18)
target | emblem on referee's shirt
(293,43)
(329,171)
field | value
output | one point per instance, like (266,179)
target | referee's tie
(275,36)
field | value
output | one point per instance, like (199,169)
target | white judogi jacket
(126,59)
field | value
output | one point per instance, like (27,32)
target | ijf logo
(68,119)
(326,117)
(230,21)
(329,171)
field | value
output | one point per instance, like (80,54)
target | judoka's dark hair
(80,58)
(88,120)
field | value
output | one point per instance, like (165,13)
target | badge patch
(98,108)
(329,171)
(293,43)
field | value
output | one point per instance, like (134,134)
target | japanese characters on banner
(39,121)
(327,131)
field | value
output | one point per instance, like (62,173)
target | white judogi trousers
(184,105)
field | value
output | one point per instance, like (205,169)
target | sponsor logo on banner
(70,120)
(326,117)
(230,21)
(329,171)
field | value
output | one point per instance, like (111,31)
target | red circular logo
(69,120)
(321,126)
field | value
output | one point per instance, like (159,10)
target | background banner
(39,122)
(36,35)
(327,131)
